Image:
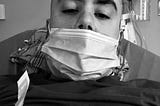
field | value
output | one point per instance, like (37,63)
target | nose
(86,21)
(82,26)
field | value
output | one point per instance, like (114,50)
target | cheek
(61,21)
(110,28)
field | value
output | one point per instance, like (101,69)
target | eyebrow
(103,2)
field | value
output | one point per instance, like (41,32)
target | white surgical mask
(80,54)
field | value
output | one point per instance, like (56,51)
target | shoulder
(15,48)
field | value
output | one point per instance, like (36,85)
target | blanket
(107,91)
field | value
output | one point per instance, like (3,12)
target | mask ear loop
(48,27)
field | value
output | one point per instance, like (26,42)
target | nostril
(90,28)
(80,27)
(85,27)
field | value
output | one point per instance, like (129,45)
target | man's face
(102,16)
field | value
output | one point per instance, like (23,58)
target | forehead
(86,0)
(116,2)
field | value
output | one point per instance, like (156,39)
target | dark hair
(127,6)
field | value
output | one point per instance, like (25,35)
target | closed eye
(70,11)
(101,16)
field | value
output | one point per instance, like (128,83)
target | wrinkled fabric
(104,92)
(46,92)
(76,52)
(8,90)
(31,56)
